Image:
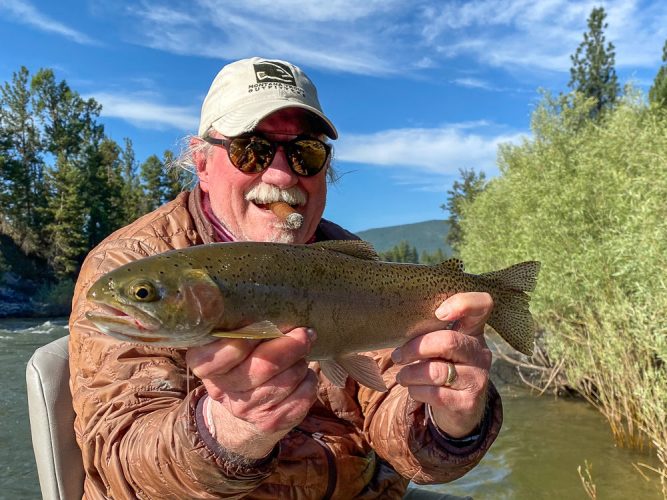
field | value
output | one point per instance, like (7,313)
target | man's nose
(279,172)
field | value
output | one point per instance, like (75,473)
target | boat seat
(58,457)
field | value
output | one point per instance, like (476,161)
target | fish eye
(143,291)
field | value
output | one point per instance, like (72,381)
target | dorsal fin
(452,265)
(521,276)
(355,248)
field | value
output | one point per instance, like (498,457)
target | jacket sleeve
(136,422)
(400,432)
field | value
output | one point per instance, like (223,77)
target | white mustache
(263,194)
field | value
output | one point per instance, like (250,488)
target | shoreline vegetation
(586,198)
(585,195)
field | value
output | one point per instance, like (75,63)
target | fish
(258,290)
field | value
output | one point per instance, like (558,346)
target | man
(258,421)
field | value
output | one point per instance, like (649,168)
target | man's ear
(199,158)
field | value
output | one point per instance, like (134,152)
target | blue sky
(417,89)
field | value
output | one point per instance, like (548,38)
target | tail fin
(522,277)
(511,317)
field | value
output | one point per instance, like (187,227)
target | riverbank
(25,298)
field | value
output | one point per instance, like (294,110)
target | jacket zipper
(331,463)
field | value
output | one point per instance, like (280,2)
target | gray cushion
(58,457)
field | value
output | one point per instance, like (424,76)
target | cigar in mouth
(286,213)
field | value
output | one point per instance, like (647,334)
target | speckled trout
(354,301)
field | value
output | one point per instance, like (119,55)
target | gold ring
(451,374)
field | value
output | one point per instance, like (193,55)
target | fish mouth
(126,323)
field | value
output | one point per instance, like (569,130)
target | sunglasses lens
(307,156)
(251,154)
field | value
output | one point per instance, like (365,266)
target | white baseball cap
(246,91)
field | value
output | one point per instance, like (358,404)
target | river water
(542,442)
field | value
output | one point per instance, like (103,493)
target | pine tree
(658,92)
(592,71)
(72,135)
(68,242)
(104,197)
(432,258)
(135,203)
(22,188)
(160,181)
(462,192)
(152,177)
(69,121)
(179,179)
(402,252)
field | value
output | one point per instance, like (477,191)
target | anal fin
(334,372)
(361,368)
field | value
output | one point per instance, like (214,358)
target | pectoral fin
(260,330)
(361,368)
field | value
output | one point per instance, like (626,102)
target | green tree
(403,252)
(68,243)
(72,136)
(104,196)
(658,92)
(69,122)
(153,178)
(135,203)
(592,72)
(461,193)
(178,178)
(160,182)
(432,258)
(22,188)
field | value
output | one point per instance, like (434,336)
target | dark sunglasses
(253,153)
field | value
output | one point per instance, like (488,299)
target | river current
(542,442)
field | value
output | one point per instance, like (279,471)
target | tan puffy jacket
(141,431)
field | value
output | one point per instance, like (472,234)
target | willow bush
(589,200)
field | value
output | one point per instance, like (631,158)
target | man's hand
(457,409)
(259,390)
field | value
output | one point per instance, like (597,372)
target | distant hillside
(429,235)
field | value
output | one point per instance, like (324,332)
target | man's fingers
(241,365)
(457,403)
(444,344)
(470,309)
(264,397)
(293,409)
(269,359)
(279,407)
(437,372)
(218,357)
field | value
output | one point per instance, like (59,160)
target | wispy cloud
(26,13)
(333,36)
(144,112)
(542,35)
(379,37)
(475,83)
(434,151)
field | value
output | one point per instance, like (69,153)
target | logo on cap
(272,71)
